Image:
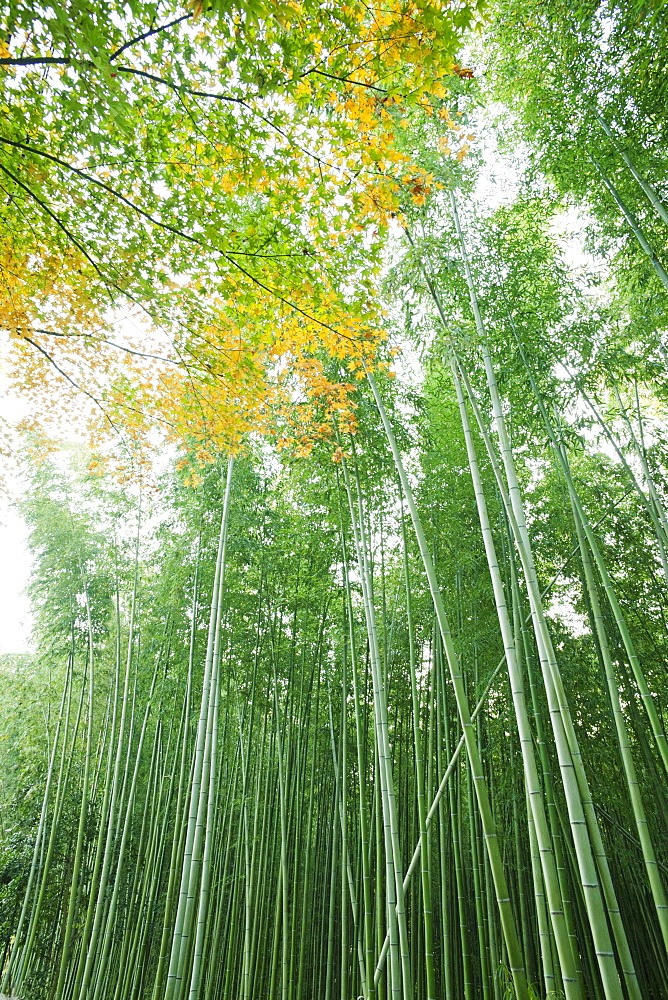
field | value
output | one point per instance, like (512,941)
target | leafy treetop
(194,201)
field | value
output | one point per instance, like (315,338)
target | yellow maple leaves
(458,143)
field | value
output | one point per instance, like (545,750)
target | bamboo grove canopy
(348,674)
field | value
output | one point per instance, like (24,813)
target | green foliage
(586,85)
(247,750)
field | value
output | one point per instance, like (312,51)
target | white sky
(15,562)
(15,617)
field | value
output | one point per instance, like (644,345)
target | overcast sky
(14,570)
(15,621)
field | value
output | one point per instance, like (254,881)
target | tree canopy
(362,691)
(214,184)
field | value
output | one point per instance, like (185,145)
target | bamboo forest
(335,354)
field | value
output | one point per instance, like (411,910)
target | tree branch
(73,383)
(103,340)
(176,87)
(343,79)
(55,218)
(147,34)
(35,61)
(135,208)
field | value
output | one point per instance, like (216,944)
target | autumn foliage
(195,200)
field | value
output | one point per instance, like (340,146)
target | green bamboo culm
(196,862)
(498,875)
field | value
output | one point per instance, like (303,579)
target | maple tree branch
(108,284)
(281,132)
(72,382)
(35,61)
(147,34)
(180,90)
(209,365)
(287,302)
(343,79)
(75,385)
(101,184)
(256,281)
(177,88)
(258,114)
(59,223)
(136,208)
(61,60)
(93,180)
(130,70)
(103,340)
(182,364)
(227,256)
